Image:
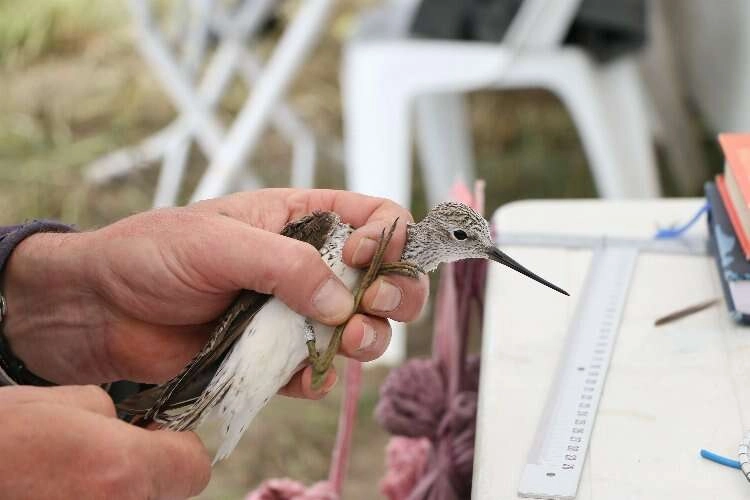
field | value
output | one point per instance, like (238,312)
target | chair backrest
(541,23)
(537,24)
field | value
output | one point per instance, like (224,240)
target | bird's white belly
(266,356)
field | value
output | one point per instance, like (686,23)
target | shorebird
(260,343)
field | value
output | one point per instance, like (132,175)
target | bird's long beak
(498,256)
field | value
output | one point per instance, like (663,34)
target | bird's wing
(186,387)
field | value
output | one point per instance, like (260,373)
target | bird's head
(456,232)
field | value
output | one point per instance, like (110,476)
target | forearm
(50,306)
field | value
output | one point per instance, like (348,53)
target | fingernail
(364,252)
(387,298)
(368,337)
(333,300)
(330,382)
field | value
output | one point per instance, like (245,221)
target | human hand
(65,442)
(135,300)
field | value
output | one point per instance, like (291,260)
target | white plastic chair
(385,74)
(196,100)
(299,38)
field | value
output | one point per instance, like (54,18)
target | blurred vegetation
(73,87)
(51,28)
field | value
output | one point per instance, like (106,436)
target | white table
(669,391)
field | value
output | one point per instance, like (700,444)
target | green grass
(33,30)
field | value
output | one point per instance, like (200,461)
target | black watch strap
(15,369)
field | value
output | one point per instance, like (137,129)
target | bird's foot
(402,268)
(321,363)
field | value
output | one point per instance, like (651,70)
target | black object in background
(606,28)
(730,260)
(123,389)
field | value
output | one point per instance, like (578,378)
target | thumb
(290,269)
(178,464)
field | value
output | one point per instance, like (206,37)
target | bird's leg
(310,341)
(321,363)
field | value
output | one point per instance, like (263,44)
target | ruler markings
(558,454)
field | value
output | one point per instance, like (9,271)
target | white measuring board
(556,459)
(670,390)
(672,246)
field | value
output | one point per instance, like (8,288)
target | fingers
(270,263)
(271,209)
(365,338)
(300,386)
(87,397)
(166,464)
(396,297)
(177,463)
(361,245)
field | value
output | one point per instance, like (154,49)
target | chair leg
(178,152)
(443,134)
(596,114)
(121,162)
(377,143)
(377,135)
(297,41)
(628,108)
(290,126)
(209,130)
(170,176)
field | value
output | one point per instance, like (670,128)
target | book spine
(727,254)
(734,217)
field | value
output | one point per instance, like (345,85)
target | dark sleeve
(12,236)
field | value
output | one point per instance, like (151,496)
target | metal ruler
(556,459)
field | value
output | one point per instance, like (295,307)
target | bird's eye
(459,234)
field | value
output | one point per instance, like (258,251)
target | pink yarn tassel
(406,463)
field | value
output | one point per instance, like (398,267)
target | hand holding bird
(137,299)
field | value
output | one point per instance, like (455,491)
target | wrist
(49,299)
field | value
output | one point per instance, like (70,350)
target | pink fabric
(347,417)
(436,399)
(406,462)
